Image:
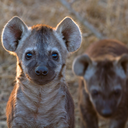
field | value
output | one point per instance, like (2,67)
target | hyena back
(103,90)
(40,98)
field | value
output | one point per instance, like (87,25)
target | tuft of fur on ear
(123,62)
(70,33)
(81,64)
(13,31)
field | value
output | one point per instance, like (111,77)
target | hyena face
(43,55)
(41,50)
(105,81)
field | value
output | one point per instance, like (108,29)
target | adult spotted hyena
(103,89)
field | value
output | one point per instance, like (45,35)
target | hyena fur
(40,98)
(103,88)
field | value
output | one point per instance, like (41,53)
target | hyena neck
(42,99)
(43,102)
(26,84)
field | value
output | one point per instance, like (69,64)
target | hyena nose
(41,70)
(106,112)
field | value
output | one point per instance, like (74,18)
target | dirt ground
(110,17)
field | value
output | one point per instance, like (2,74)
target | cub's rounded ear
(70,32)
(81,64)
(13,31)
(123,62)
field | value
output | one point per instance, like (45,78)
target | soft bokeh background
(109,17)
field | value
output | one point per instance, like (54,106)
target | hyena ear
(13,31)
(81,64)
(70,33)
(123,62)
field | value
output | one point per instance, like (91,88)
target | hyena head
(105,81)
(41,50)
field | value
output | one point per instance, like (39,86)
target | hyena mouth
(41,80)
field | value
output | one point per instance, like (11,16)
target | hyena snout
(106,112)
(41,71)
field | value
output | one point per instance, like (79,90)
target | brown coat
(103,90)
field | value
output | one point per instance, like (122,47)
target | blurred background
(96,18)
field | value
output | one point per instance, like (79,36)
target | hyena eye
(94,93)
(117,92)
(28,55)
(55,55)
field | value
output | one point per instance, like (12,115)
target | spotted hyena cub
(40,98)
(103,89)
